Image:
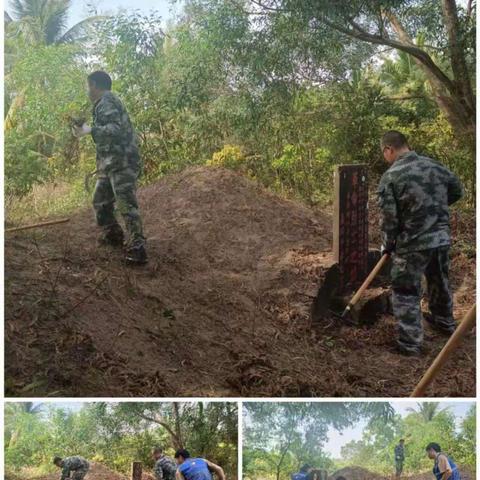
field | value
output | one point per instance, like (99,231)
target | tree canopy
(115,434)
(280,437)
(279,89)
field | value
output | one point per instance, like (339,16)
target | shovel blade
(321,303)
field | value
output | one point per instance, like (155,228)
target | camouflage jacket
(113,135)
(71,464)
(414,195)
(399,452)
(165,468)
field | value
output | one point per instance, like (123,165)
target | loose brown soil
(358,473)
(97,472)
(221,309)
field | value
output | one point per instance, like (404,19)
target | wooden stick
(136,471)
(366,284)
(466,324)
(37,225)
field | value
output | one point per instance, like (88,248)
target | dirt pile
(221,309)
(355,473)
(465,473)
(97,472)
(359,473)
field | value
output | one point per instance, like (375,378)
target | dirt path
(221,309)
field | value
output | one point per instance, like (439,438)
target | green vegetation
(282,90)
(280,437)
(117,434)
(423,425)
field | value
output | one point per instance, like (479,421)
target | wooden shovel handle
(37,225)
(466,324)
(368,280)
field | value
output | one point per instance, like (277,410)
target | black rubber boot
(112,235)
(445,329)
(136,255)
(413,352)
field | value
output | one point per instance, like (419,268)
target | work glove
(81,131)
(386,249)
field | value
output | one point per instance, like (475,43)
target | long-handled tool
(466,324)
(349,309)
(37,225)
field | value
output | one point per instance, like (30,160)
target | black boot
(445,328)
(112,235)
(136,255)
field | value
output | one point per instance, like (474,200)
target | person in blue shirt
(303,474)
(196,468)
(443,468)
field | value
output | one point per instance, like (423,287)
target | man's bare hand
(81,131)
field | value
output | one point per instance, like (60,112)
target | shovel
(450,347)
(350,313)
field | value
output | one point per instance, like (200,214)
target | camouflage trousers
(407,271)
(79,474)
(118,189)
(398,468)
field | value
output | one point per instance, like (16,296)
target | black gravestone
(350,225)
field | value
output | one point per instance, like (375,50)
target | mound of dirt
(465,473)
(359,473)
(356,473)
(97,472)
(221,309)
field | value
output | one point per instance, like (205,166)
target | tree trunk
(178,428)
(448,96)
(457,56)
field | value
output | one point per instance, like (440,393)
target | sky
(164,8)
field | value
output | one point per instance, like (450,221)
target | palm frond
(78,31)
(7,18)
(55,16)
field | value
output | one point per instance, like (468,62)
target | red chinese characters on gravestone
(350,226)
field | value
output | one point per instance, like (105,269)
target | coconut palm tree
(45,21)
(427,411)
(37,22)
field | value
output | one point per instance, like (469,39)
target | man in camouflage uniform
(72,467)
(399,457)
(165,467)
(118,168)
(414,195)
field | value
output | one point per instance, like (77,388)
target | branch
(457,52)
(159,422)
(266,7)
(405,44)
(469,8)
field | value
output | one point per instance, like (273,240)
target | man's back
(113,134)
(299,476)
(165,468)
(444,463)
(76,462)
(419,191)
(195,469)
